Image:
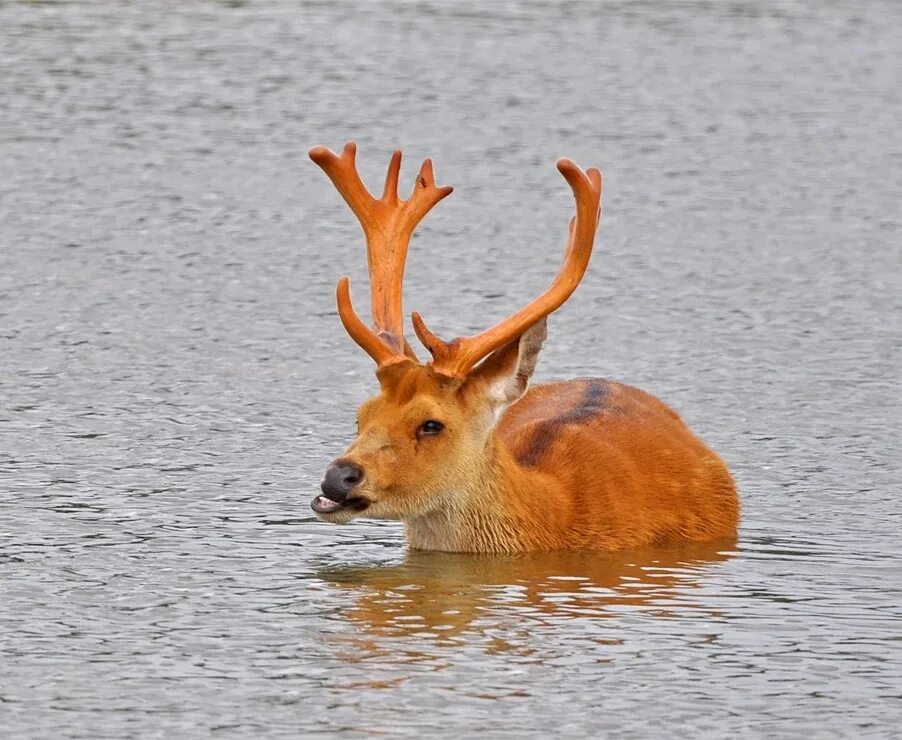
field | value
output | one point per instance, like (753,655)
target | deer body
(585,464)
(469,457)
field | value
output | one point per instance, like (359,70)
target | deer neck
(494,510)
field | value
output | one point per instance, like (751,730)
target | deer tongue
(325,505)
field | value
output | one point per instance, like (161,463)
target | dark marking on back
(593,402)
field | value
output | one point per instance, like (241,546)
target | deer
(468,455)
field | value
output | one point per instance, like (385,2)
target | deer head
(426,439)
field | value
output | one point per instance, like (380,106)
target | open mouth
(325,505)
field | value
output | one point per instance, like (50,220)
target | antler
(457,357)
(388,223)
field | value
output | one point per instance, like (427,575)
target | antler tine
(342,171)
(388,223)
(423,197)
(457,357)
(368,340)
(390,192)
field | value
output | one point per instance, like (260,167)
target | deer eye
(429,428)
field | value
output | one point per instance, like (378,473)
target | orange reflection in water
(446,598)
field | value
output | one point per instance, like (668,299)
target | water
(174,377)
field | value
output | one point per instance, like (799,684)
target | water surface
(173,377)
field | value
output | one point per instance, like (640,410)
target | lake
(174,378)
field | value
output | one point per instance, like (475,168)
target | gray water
(174,378)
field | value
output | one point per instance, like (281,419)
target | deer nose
(340,479)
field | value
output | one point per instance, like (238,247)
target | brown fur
(580,464)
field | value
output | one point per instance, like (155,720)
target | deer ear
(504,375)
